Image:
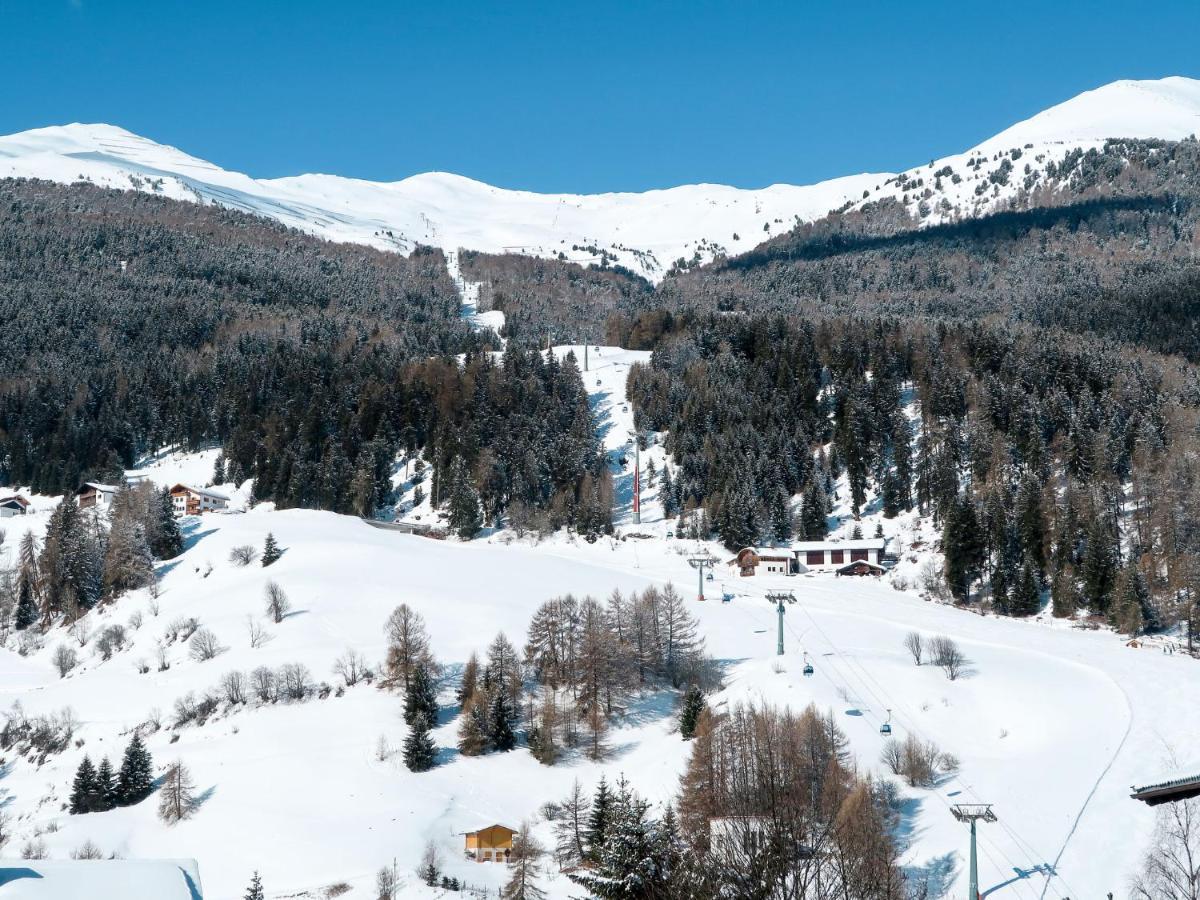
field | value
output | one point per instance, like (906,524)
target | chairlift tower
(972,813)
(779,598)
(637,477)
(700,563)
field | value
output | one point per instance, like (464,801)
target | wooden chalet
(773,562)
(193,501)
(93,494)
(861,567)
(827,556)
(13,505)
(491,844)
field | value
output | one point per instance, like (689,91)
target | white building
(92,493)
(13,505)
(193,501)
(828,556)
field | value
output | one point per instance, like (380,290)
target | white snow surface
(647,232)
(1051,724)
(99,879)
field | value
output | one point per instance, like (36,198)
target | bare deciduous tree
(177,799)
(243,555)
(262,680)
(233,685)
(64,660)
(1171,869)
(914,643)
(945,653)
(294,680)
(408,642)
(277,602)
(526,853)
(256,633)
(351,666)
(204,645)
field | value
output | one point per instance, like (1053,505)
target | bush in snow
(64,660)
(277,602)
(204,645)
(919,762)
(914,643)
(945,653)
(242,555)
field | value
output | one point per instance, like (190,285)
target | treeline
(1053,465)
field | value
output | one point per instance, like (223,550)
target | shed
(862,567)
(773,562)
(13,505)
(490,844)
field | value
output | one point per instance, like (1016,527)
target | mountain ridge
(651,233)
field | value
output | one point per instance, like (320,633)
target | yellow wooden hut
(491,844)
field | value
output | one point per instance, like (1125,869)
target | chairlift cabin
(808,667)
(886,727)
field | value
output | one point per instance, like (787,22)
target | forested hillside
(134,322)
(1047,463)
(1108,246)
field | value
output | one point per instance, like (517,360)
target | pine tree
(629,864)
(892,498)
(83,789)
(465,516)
(1027,596)
(693,706)
(598,818)
(1099,570)
(501,722)
(962,545)
(135,780)
(167,539)
(1064,594)
(255,891)
(419,751)
(813,512)
(271,551)
(106,787)
(526,852)
(470,680)
(1131,602)
(27,580)
(218,476)
(421,697)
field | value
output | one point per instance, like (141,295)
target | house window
(815,558)
(856,555)
(837,556)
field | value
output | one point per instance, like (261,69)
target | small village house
(861,567)
(13,505)
(751,560)
(491,844)
(93,494)
(193,501)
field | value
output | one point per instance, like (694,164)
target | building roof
(859,544)
(861,562)
(14,498)
(100,879)
(766,552)
(102,488)
(489,828)
(204,492)
(1169,790)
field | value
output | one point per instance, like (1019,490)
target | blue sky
(567,96)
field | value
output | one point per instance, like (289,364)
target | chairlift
(708,577)
(886,727)
(808,667)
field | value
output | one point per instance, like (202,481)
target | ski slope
(1051,724)
(646,232)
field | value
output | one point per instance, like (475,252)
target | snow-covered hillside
(1051,724)
(647,232)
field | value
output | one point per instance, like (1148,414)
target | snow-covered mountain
(647,232)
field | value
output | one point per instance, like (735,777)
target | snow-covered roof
(100,879)
(13,498)
(780,552)
(203,492)
(859,544)
(102,488)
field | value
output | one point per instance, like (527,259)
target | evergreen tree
(421,697)
(465,516)
(962,545)
(1064,593)
(892,498)
(167,540)
(83,789)
(629,864)
(27,579)
(255,891)
(271,551)
(1099,570)
(1027,596)
(106,787)
(598,818)
(1131,611)
(813,512)
(419,751)
(135,780)
(502,717)
(689,714)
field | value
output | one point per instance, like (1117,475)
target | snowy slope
(646,232)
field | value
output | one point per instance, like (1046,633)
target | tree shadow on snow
(192,535)
(937,875)
(203,797)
